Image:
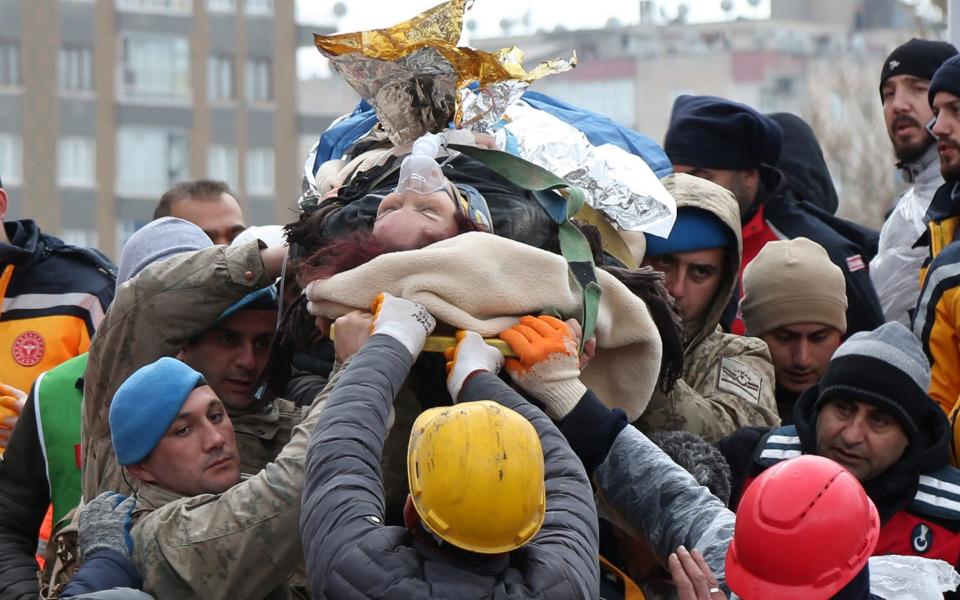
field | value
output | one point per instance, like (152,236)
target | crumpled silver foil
(481,109)
(615,182)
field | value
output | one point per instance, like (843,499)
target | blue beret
(946,79)
(714,133)
(146,404)
(694,229)
(262,299)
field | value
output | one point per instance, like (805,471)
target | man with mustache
(871,413)
(904,82)
(795,300)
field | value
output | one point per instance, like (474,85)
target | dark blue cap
(946,79)
(714,133)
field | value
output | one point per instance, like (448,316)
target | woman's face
(410,221)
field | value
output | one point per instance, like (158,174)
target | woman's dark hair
(647,284)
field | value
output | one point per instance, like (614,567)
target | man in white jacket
(895,270)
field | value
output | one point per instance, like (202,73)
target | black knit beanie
(920,58)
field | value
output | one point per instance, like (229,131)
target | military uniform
(728,380)
(243,543)
(154,315)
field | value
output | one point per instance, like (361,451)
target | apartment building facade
(106,103)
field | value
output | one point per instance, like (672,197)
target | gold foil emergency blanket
(416,77)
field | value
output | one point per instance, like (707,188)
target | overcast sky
(544,14)
(488,14)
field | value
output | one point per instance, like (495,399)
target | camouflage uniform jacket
(154,315)
(243,543)
(728,380)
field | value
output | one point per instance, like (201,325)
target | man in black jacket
(735,146)
(871,413)
(350,553)
(34,474)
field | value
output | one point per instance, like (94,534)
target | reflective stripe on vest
(58,407)
(780,444)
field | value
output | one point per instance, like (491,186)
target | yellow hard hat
(476,476)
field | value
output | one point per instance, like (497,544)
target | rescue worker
(794,300)
(652,499)
(904,83)
(934,320)
(727,380)
(735,146)
(43,459)
(871,413)
(174,439)
(168,310)
(207,203)
(499,504)
(819,510)
(54,296)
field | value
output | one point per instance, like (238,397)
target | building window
(150,160)
(156,6)
(259,7)
(76,162)
(222,164)
(76,68)
(220,78)
(222,5)
(11,159)
(9,63)
(258,80)
(260,171)
(154,67)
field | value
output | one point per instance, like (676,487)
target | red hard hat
(805,528)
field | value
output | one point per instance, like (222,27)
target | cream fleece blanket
(484,283)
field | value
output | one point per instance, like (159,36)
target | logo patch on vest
(739,379)
(921,539)
(28,348)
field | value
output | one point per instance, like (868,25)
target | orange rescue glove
(548,365)
(470,355)
(11,403)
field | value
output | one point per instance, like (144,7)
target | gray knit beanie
(159,240)
(885,367)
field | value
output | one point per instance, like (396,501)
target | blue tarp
(597,128)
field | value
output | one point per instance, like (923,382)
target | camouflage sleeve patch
(739,379)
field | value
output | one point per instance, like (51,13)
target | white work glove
(547,365)
(407,322)
(471,354)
